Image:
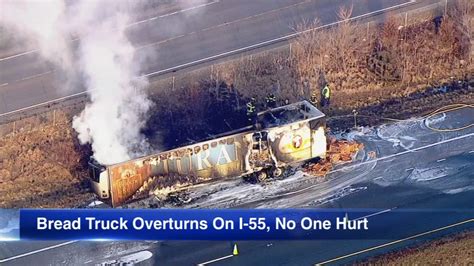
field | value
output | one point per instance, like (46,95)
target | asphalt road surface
(415,168)
(191,37)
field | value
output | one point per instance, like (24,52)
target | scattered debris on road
(339,151)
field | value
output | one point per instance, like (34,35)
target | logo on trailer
(297,141)
(127,173)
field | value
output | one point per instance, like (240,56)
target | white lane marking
(396,241)
(37,251)
(272,11)
(286,37)
(18,55)
(44,103)
(471,152)
(4,84)
(173,13)
(440,160)
(129,25)
(215,260)
(409,169)
(375,214)
(220,55)
(34,76)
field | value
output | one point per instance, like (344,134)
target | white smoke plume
(111,122)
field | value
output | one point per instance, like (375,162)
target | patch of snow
(400,134)
(354,134)
(435,119)
(130,259)
(95,203)
(13,224)
(458,190)
(136,257)
(428,174)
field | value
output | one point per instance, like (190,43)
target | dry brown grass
(456,250)
(44,167)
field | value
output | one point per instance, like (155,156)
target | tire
(277,172)
(262,176)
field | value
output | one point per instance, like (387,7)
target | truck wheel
(262,176)
(277,172)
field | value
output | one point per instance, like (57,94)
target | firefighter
(251,110)
(270,100)
(314,99)
(325,95)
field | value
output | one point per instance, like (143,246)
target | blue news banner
(211,224)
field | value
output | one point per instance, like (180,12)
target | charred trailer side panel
(218,158)
(286,135)
(125,179)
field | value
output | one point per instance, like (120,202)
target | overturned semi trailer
(281,137)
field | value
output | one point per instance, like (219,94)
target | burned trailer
(281,137)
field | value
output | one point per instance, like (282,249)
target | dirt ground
(43,168)
(453,250)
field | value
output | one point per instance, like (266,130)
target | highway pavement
(170,42)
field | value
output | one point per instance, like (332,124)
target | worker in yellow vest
(314,99)
(251,110)
(270,100)
(325,95)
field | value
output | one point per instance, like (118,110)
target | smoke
(41,24)
(112,121)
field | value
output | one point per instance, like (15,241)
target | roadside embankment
(453,250)
(43,167)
